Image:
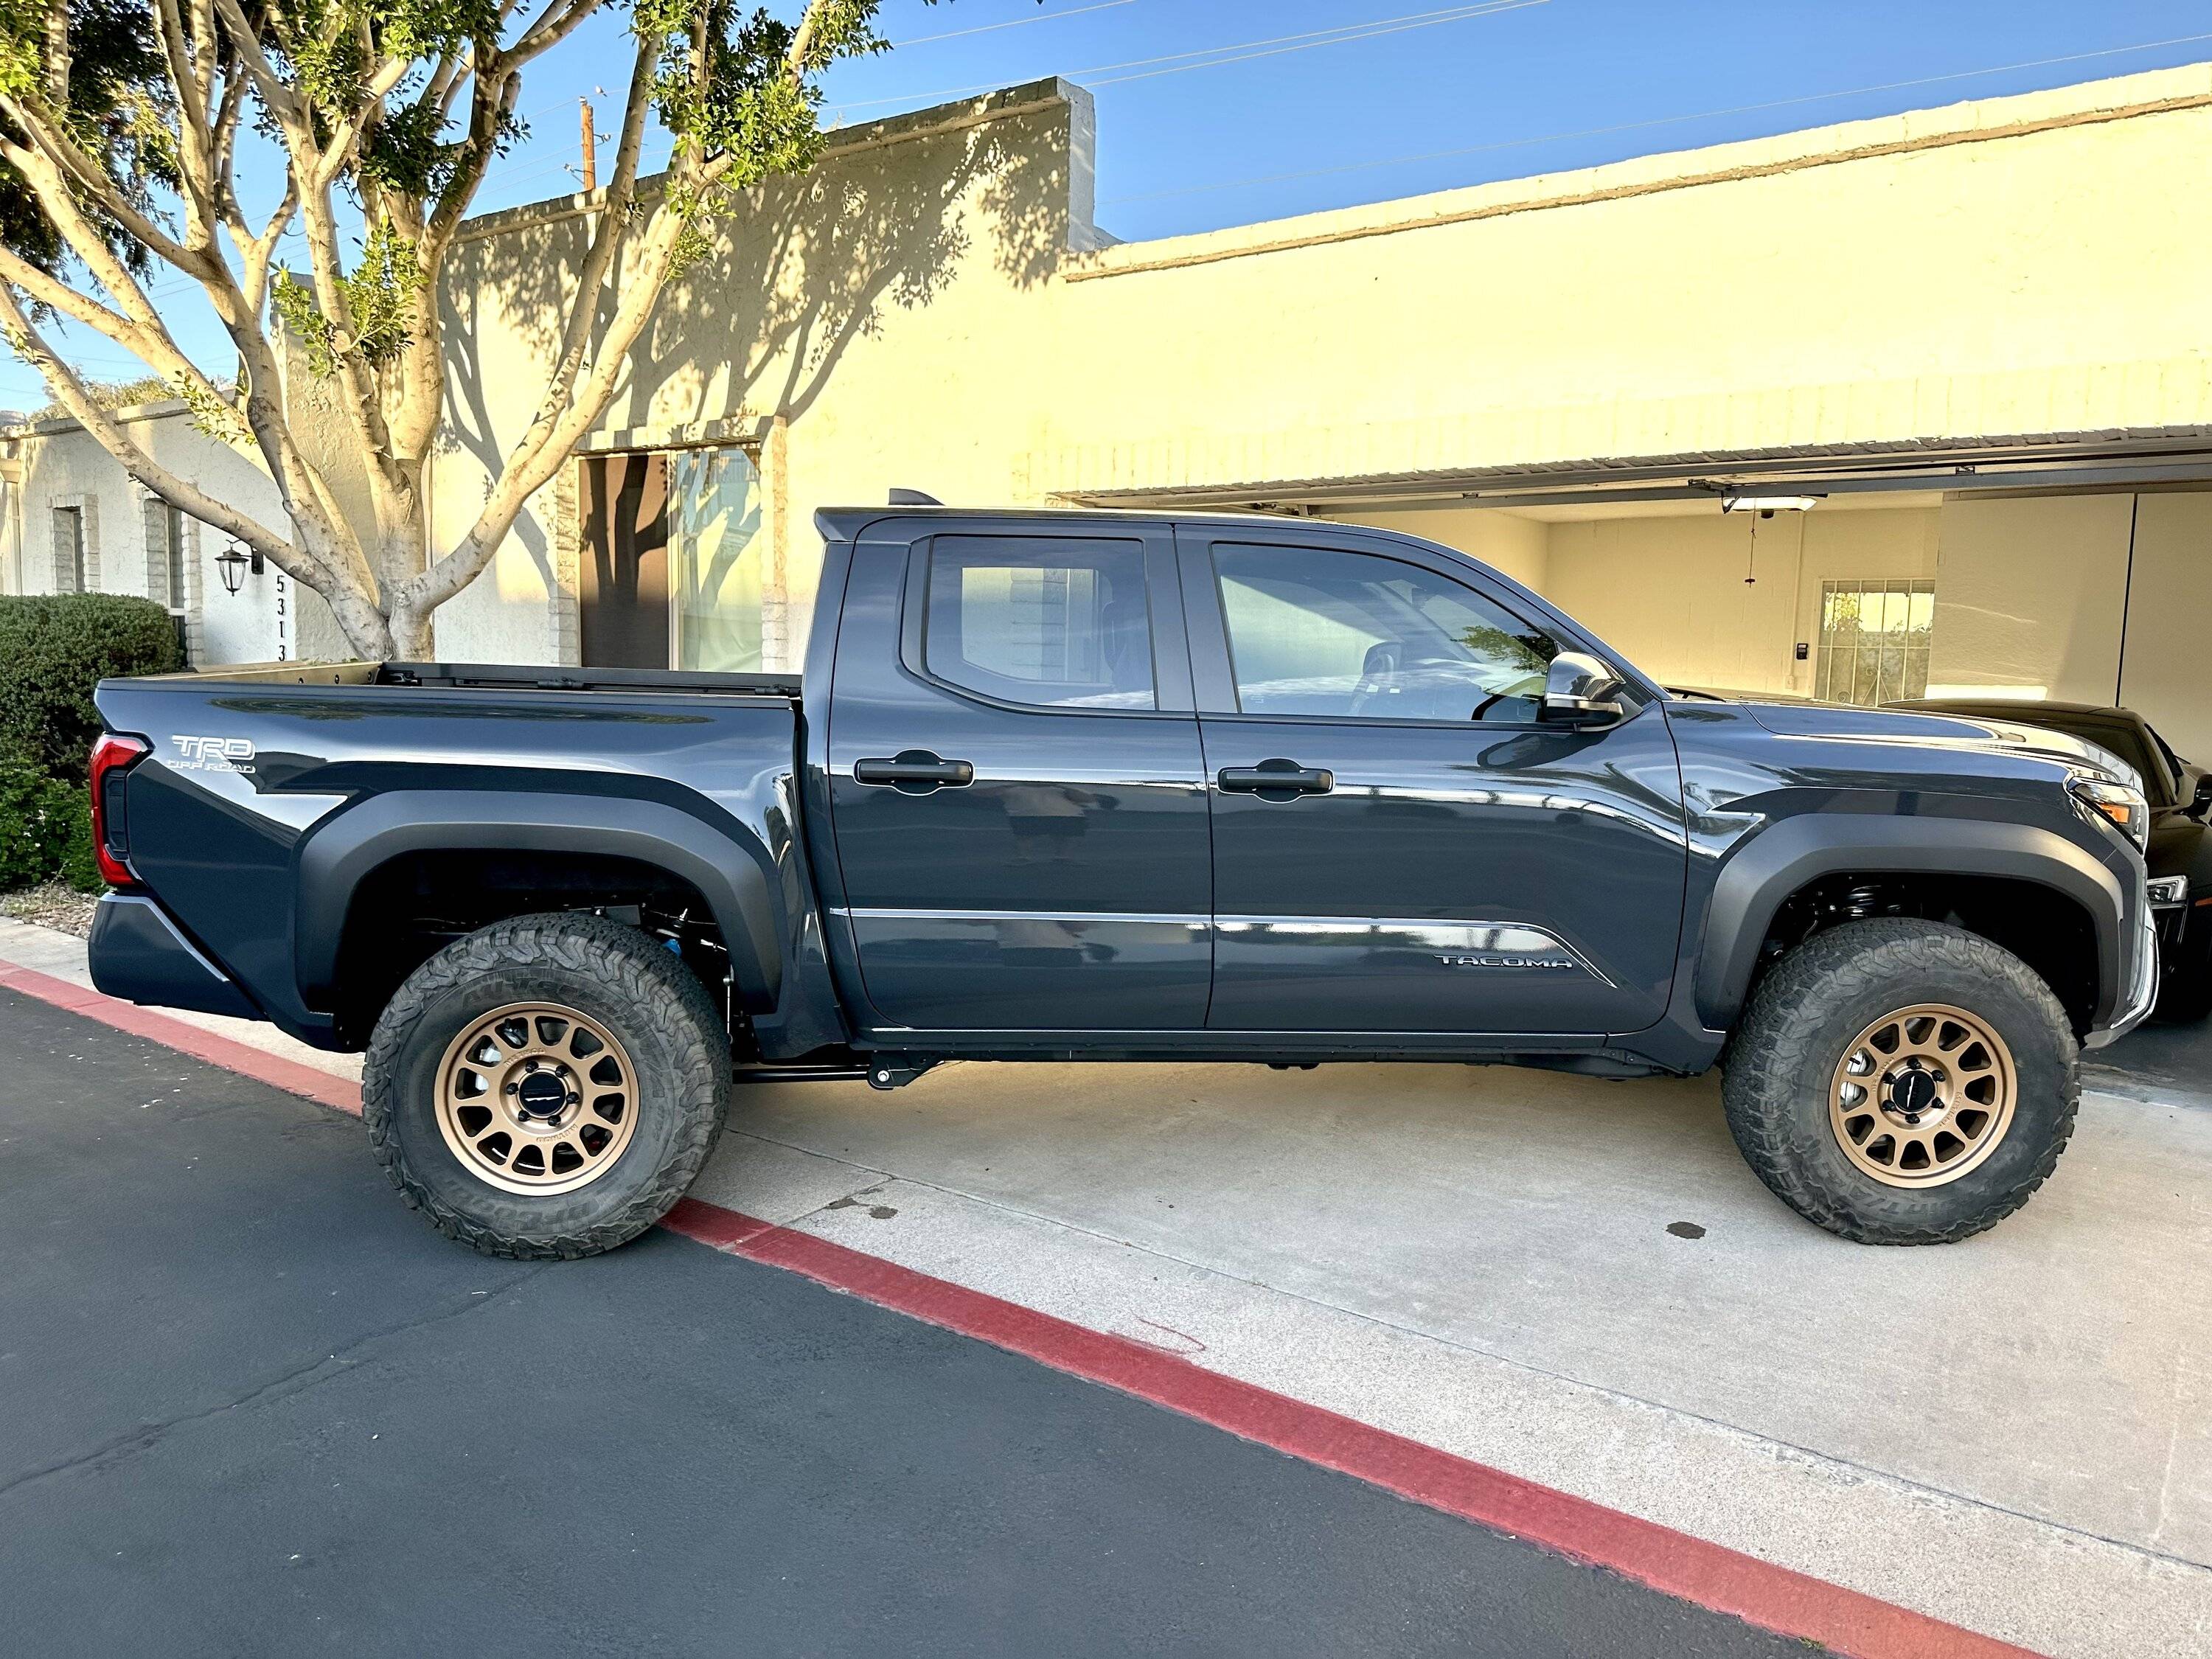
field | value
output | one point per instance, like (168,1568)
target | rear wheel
(1902,1081)
(548,1086)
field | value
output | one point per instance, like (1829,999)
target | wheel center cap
(541,1094)
(1911,1093)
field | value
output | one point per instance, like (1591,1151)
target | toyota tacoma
(1078,785)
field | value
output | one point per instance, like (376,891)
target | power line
(1495,7)
(1657,121)
(1010,23)
(1340,34)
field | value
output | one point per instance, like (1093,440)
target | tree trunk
(411,637)
(364,626)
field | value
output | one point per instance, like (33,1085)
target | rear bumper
(2141,980)
(136,953)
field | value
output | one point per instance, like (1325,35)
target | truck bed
(283,814)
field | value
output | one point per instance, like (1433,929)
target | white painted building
(73,520)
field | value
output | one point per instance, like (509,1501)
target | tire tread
(1782,1030)
(660,991)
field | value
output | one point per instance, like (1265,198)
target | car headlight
(2169,889)
(2116,803)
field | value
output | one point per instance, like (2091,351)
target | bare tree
(120,129)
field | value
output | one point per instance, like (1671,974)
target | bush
(54,648)
(80,865)
(39,817)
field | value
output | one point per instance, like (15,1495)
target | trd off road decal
(214,755)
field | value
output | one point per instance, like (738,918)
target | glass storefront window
(717,545)
(1874,640)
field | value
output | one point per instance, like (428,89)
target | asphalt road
(250,1405)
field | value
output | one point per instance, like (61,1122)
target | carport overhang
(2065,463)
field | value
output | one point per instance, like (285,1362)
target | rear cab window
(1052,624)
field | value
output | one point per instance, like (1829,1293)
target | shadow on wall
(803,267)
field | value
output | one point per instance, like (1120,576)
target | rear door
(1017,795)
(1397,845)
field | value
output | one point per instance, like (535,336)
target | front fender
(732,869)
(1778,860)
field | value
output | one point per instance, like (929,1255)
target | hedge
(45,831)
(54,648)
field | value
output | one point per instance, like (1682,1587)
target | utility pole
(591,148)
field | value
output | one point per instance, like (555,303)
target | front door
(1398,846)
(1016,792)
(622,605)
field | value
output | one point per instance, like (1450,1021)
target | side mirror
(2201,803)
(1580,691)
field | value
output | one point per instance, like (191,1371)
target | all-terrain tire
(1810,1007)
(628,983)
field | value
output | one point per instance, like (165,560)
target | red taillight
(113,756)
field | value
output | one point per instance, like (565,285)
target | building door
(623,602)
(1015,792)
(1398,846)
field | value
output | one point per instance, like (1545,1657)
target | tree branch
(70,391)
(196,137)
(35,119)
(552,26)
(246,36)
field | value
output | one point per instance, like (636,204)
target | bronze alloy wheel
(1922,1096)
(537,1098)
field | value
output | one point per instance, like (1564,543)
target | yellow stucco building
(1978,339)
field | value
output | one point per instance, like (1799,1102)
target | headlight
(2169,889)
(2114,804)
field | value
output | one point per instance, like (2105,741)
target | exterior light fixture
(1765,507)
(1768,504)
(233,564)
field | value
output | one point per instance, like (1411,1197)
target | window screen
(1058,623)
(1317,631)
(1874,640)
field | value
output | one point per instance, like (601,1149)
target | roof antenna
(914,498)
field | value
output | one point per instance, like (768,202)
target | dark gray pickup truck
(1108,786)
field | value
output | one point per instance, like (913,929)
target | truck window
(1059,623)
(1317,631)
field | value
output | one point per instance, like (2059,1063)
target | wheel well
(2052,933)
(405,910)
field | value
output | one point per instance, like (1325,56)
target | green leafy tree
(120,127)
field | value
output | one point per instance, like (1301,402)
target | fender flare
(1782,858)
(731,869)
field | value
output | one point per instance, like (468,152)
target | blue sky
(1216,113)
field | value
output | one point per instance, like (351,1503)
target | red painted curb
(1689,1568)
(232,1056)
(1710,1575)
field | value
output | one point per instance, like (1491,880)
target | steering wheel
(1487,704)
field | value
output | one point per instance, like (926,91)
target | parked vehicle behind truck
(1110,786)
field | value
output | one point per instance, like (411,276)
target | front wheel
(546,1087)
(1901,1082)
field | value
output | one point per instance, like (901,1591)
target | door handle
(1275,780)
(914,772)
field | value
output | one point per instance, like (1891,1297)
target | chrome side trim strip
(1482,944)
(870,912)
